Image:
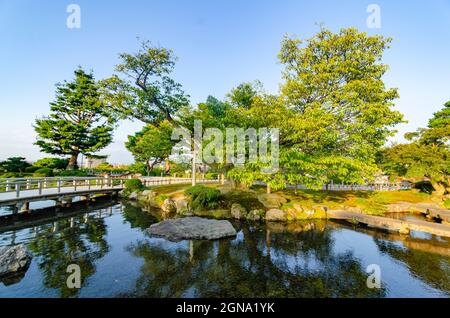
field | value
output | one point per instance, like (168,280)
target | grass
(369,202)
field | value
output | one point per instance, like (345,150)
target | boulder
(272,200)
(192,228)
(276,215)
(255,215)
(238,211)
(133,196)
(14,259)
(169,206)
(182,206)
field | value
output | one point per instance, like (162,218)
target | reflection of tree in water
(137,217)
(78,240)
(245,268)
(433,269)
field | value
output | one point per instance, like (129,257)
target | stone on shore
(238,211)
(272,200)
(14,259)
(192,228)
(276,215)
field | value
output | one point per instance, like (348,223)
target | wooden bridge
(20,192)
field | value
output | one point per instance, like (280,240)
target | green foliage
(447,203)
(52,163)
(426,156)
(43,172)
(133,185)
(159,199)
(203,197)
(14,164)
(15,175)
(211,175)
(147,93)
(334,111)
(152,144)
(243,95)
(79,121)
(31,169)
(138,167)
(73,173)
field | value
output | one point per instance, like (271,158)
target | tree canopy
(145,91)
(79,122)
(334,110)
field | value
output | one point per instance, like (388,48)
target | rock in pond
(14,259)
(133,196)
(192,228)
(238,211)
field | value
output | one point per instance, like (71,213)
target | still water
(307,259)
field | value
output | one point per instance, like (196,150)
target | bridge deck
(10,198)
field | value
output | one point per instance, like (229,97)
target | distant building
(91,163)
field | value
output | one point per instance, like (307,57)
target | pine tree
(78,123)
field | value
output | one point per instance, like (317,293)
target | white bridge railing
(62,184)
(19,185)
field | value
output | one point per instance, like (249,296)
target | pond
(305,259)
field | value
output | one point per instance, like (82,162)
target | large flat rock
(14,259)
(192,228)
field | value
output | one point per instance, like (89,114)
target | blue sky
(220,43)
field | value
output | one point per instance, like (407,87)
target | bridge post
(28,184)
(40,187)
(74,185)
(8,188)
(59,185)
(17,190)
(45,183)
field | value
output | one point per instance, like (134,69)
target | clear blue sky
(220,43)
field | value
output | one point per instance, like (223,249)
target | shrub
(31,169)
(133,185)
(161,198)
(211,176)
(43,172)
(203,197)
(52,163)
(447,204)
(73,173)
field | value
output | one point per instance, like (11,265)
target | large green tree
(79,122)
(145,90)
(152,145)
(426,156)
(334,110)
(14,164)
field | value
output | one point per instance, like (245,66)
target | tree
(243,94)
(79,122)
(147,92)
(152,145)
(334,111)
(14,164)
(52,163)
(426,156)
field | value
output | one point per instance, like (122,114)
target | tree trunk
(73,162)
(167,168)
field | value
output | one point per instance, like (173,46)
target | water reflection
(78,240)
(256,264)
(304,259)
